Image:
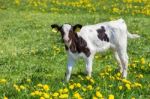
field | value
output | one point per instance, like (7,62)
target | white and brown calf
(95,38)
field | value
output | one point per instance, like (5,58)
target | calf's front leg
(69,67)
(89,62)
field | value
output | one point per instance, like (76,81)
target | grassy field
(33,58)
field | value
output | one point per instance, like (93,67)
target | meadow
(33,58)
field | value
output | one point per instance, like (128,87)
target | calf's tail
(132,36)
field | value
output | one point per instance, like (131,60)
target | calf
(95,38)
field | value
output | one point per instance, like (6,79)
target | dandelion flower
(118,74)
(46,87)
(143,61)
(63,96)
(46,95)
(89,87)
(22,87)
(32,94)
(132,97)
(126,81)
(71,87)
(98,94)
(78,85)
(120,87)
(88,77)
(5,97)
(39,85)
(3,80)
(140,76)
(110,85)
(39,93)
(84,89)
(65,90)
(128,86)
(92,81)
(42,98)
(28,80)
(77,95)
(111,96)
(60,91)
(94,97)
(55,94)
(137,85)
(16,87)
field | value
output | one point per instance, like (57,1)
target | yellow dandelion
(39,85)
(128,86)
(113,78)
(116,10)
(46,95)
(55,94)
(110,85)
(137,85)
(126,81)
(65,90)
(92,81)
(98,94)
(22,87)
(140,76)
(109,69)
(78,85)
(71,87)
(17,2)
(46,87)
(111,96)
(97,88)
(119,74)
(3,80)
(32,94)
(120,87)
(77,95)
(80,77)
(94,97)
(84,89)
(96,56)
(5,97)
(42,98)
(16,87)
(143,61)
(89,87)
(63,96)
(132,97)
(88,77)
(28,80)
(38,93)
(60,91)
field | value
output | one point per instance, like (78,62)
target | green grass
(27,50)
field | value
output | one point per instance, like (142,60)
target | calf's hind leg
(124,61)
(89,62)
(118,61)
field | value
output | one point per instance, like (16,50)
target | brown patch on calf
(102,35)
(78,44)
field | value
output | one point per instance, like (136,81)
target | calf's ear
(55,28)
(77,27)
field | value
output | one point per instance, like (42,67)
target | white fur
(117,33)
(66,28)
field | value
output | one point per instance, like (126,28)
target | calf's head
(67,31)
